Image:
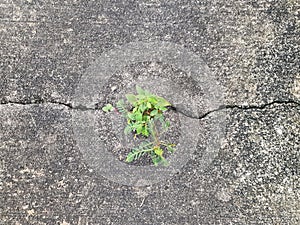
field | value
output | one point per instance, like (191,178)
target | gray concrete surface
(251,47)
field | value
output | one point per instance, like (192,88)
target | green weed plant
(144,112)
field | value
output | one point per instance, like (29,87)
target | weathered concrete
(250,47)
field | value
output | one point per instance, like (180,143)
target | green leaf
(154,112)
(139,129)
(140,91)
(142,107)
(167,124)
(108,108)
(152,100)
(158,151)
(161,118)
(145,145)
(156,159)
(121,107)
(147,93)
(162,102)
(146,118)
(136,153)
(131,116)
(163,109)
(131,98)
(138,116)
(170,148)
(149,106)
(130,157)
(145,131)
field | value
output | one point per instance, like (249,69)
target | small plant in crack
(144,113)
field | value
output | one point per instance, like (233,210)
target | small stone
(64,223)
(25,207)
(30,212)
(113,88)
(278,130)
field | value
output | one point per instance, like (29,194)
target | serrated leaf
(130,157)
(170,148)
(140,91)
(121,107)
(163,109)
(156,159)
(107,108)
(136,153)
(149,106)
(142,107)
(145,145)
(154,112)
(167,124)
(131,98)
(138,116)
(152,100)
(145,131)
(158,151)
(161,118)
(139,129)
(121,102)
(162,102)
(148,93)
(131,116)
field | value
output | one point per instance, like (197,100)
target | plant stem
(155,134)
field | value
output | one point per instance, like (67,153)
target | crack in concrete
(241,107)
(68,105)
(204,115)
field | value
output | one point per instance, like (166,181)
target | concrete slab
(49,48)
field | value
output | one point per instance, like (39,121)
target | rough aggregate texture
(252,47)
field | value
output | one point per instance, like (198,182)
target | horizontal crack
(242,107)
(68,105)
(222,107)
